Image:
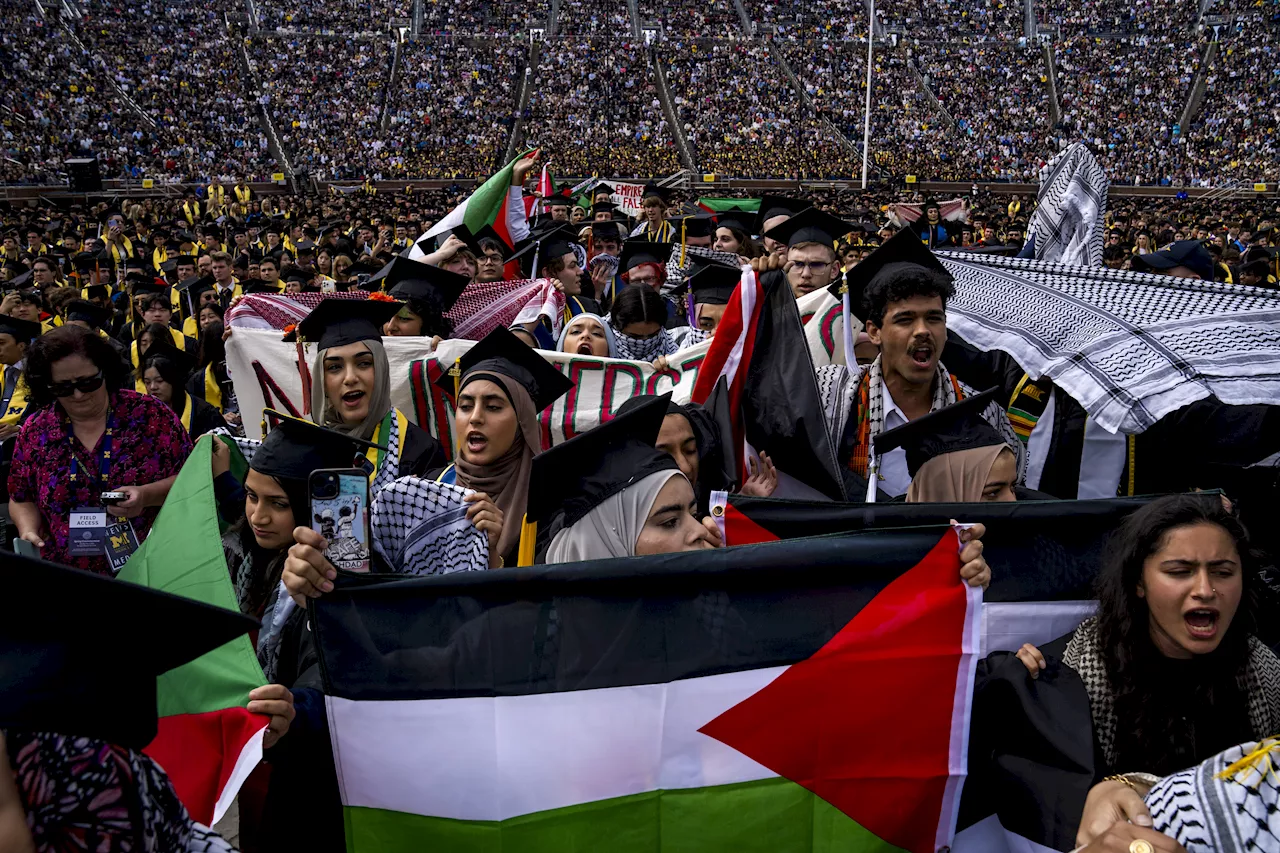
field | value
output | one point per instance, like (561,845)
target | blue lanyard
(104,463)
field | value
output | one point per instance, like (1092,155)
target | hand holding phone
(339,512)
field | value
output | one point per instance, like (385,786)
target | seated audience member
(164,374)
(426,292)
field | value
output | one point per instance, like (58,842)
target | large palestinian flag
(797,696)
(207,741)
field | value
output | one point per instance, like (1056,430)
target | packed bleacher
(1002,19)
(333,16)
(1125,97)
(687,19)
(1152,17)
(595,100)
(325,97)
(453,107)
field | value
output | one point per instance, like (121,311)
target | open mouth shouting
(584,347)
(1202,622)
(477,441)
(921,354)
(352,400)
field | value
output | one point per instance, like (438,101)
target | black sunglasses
(85,385)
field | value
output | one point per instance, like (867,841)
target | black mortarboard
(693,225)
(580,474)
(601,187)
(169,266)
(23,331)
(257,285)
(297,274)
(1184,253)
(408,279)
(810,226)
(603,207)
(20,280)
(85,311)
(607,230)
(714,284)
(172,363)
(488,233)
(338,322)
(88,260)
(1259,268)
(901,252)
(97,291)
(293,448)
(552,243)
(502,353)
(365,267)
(735,218)
(652,190)
(959,426)
(560,199)
(464,234)
(636,252)
(776,205)
(52,680)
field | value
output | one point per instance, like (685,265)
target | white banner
(626,197)
(264,371)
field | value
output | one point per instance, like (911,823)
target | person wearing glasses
(810,237)
(88,434)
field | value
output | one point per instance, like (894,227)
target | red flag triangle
(868,722)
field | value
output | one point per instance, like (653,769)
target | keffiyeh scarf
(846,392)
(1230,802)
(647,349)
(1067,224)
(678,273)
(420,527)
(1084,655)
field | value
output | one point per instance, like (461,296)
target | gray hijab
(612,528)
(379,402)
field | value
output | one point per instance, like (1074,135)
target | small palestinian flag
(494,203)
(207,741)
(800,696)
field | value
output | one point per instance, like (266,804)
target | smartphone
(112,498)
(25,549)
(339,512)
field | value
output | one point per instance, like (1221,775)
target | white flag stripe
(1006,626)
(497,758)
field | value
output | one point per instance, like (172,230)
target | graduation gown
(197,416)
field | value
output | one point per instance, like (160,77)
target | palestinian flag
(798,696)
(207,742)
(719,205)
(760,351)
(495,203)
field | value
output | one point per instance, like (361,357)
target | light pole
(866,120)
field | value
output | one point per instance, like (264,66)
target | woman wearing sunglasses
(88,434)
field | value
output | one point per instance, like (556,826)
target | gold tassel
(684,227)
(528,541)
(456,373)
(1250,762)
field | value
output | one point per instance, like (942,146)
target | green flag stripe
(489,202)
(183,555)
(765,816)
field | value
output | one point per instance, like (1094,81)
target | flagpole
(866,121)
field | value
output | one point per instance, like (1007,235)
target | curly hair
(63,342)
(433,322)
(903,284)
(1137,671)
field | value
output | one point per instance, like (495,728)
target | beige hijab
(957,477)
(506,480)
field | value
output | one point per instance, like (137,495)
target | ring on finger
(1140,845)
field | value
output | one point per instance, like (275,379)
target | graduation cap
(901,252)
(580,474)
(714,284)
(171,362)
(1259,268)
(257,285)
(365,267)
(80,309)
(776,205)
(735,218)
(652,190)
(693,225)
(488,232)
(959,426)
(606,230)
(338,322)
(23,331)
(552,243)
(408,279)
(97,291)
(297,274)
(294,447)
(636,252)
(89,260)
(601,187)
(810,226)
(603,207)
(306,247)
(464,234)
(169,267)
(502,353)
(1183,253)
(20,280)
(55,680)
(560,199)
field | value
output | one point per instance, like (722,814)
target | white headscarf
(612,528)
(608,332)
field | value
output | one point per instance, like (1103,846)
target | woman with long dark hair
(210,381)
(1170,664)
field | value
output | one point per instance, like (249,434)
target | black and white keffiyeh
(1067,224)
(678,273)
(1130,347)
(1217,808)
(838,391)
(648,349)
(421,528)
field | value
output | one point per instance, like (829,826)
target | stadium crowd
(333,16)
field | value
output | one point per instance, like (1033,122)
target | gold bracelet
(1123,780)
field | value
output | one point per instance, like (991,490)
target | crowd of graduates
(113,331)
